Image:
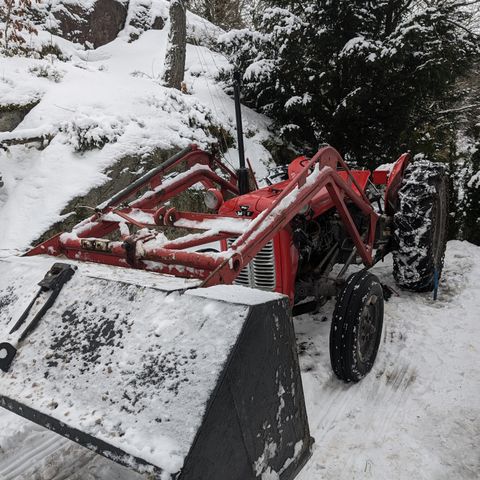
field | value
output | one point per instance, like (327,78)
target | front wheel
(356,327)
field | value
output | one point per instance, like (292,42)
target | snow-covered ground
(415,416)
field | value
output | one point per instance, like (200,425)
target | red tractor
(211,375)
(286,237)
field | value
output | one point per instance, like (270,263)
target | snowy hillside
(415,416)
(110,96)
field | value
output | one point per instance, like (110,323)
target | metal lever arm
(50,287)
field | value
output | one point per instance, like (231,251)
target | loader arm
(145,250)
(298,194)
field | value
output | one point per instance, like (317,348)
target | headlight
(213,199)
(304,210)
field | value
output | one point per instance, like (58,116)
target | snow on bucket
(157,375)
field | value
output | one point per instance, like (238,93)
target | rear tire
(420,226)
(356,327)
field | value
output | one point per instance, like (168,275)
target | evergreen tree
(464,116)
(365,77)
(227,14)
(471,200)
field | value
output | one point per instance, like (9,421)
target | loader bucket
(180,382)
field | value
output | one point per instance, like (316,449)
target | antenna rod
(242,172)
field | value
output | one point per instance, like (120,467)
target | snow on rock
(17,87)
(89,22)
(39,132)
(144,15)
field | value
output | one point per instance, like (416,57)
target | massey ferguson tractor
(163,338)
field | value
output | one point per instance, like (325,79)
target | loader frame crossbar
(142,249)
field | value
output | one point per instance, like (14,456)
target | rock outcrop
(142,17)
(12,115)
(92,25)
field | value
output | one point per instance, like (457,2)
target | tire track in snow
(47,456)
(338,403)
(386,389)
(396,398)
(335,397)
(34,453)
(18,463)
(69,462)
(396,374)
(393,378)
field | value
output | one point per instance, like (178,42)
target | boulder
(94,25)
(11,115)
(158,23)
(143,17)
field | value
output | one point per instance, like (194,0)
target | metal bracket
(50,287)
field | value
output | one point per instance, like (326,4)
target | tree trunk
(8,15)
(177,43)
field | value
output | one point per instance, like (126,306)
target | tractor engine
(314,238)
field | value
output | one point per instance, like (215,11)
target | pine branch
(460,109)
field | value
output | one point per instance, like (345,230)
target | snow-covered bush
(48,71)
(86,133)
(197,117)
(51,51)
(471,199)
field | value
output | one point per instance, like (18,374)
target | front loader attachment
(182,383)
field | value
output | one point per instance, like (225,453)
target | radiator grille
(260,272)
